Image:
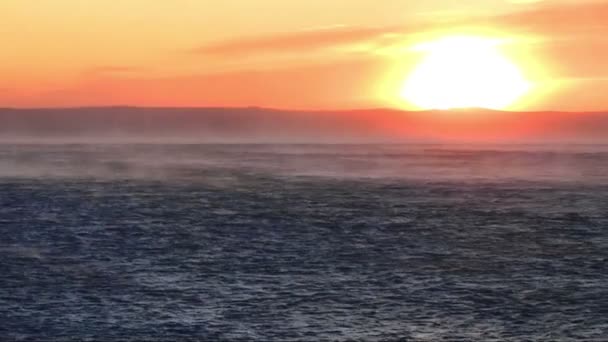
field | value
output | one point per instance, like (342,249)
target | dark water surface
(303,243)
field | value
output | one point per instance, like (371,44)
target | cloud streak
(316,39)
(559,18)
(554,21)
(116,69)
(567,39)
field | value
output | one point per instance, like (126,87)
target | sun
(464,72)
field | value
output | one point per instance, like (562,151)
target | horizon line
(253,107)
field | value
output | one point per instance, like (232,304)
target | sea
(303,242)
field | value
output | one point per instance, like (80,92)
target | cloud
(547,20)
(524,1)
(571,44)
(559,19)
(570,37)
(335,83)
(114,70)
(308,40)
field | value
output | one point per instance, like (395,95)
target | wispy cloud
(547,20)
(559,19)
(315,39)
(568,37)
(115,70)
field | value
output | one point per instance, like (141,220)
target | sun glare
(463,72)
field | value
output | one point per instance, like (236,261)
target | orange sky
(289,54)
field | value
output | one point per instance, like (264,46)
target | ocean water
(303,242)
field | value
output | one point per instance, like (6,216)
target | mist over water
(277,242)
(414,162)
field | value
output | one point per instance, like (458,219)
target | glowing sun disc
(463,72)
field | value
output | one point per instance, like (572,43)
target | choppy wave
(284,243)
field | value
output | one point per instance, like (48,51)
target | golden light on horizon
(464,72)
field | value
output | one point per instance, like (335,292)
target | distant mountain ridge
(216,124)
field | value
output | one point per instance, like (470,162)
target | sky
(286,54)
